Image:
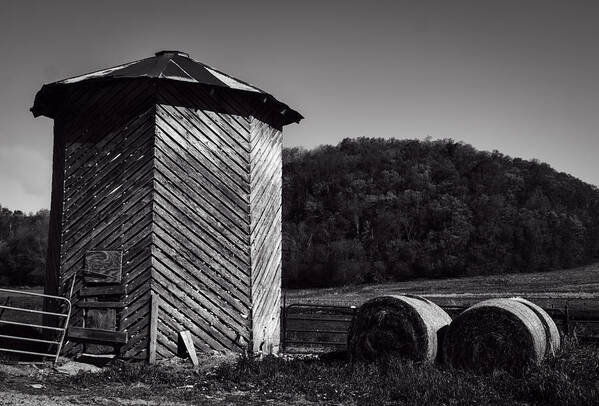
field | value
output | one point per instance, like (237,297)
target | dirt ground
(43,384)
(29,399)
(16,398)
(31,384)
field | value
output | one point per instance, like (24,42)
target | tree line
(23,244)
(374,210)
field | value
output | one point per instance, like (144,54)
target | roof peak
(169,66)
(174,52)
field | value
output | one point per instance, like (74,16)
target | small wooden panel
(103,290)
(185,347)
(99,318)
(97,335)
(103,266)
(101,305)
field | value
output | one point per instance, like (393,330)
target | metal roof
(167,65)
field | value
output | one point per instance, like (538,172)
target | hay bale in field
(407,326)
(552,333)
(502,334)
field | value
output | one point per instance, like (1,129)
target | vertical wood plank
(54,232)
(266,235)
(153,328)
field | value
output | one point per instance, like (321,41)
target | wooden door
(102,279)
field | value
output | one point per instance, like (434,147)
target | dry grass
(569,379)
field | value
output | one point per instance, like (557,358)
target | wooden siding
(192,198)
(201,260)
(106,198)
(54,229)
(217,229)
(266,232)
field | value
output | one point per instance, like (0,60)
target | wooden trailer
(166,208)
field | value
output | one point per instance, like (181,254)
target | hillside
(376,210)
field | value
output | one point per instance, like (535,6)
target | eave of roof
(165,65)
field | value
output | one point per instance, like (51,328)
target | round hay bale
(551,331)
(496,334)
(406,326)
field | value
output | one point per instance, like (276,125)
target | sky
(520,77)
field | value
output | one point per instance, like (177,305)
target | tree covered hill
(23,244)
(373,210)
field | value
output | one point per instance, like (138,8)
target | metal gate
(24,328)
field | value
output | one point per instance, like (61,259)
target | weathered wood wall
(266,232)
(201,228)
(188,186)
(107,197)
(217,223)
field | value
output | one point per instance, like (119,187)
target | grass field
(579,288)
(572,378)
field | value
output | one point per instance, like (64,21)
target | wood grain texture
(102,319)
(109,290)
(106,198)
(154,309)
(189,190)
(266,235)
(53,252)
(218,228)
(186,348)
(56,207)
(103,266)
(97,335)
(101,305)
(202,257)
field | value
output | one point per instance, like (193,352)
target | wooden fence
(315,328)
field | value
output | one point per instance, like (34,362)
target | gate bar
(65,316)
(20,309)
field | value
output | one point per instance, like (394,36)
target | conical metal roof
(164,65)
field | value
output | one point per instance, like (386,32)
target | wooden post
(284,322)
(153,328)
(567,320)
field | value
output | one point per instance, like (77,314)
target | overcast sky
(516,76)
